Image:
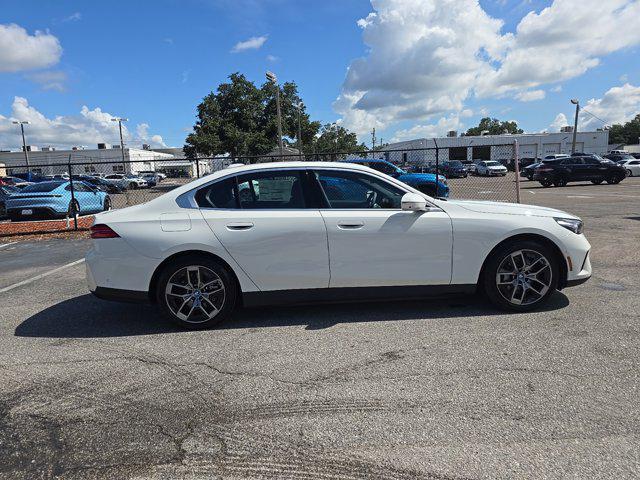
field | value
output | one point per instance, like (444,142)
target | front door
(372,242)
(262,220)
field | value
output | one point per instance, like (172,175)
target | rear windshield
(492,164)
(42,187)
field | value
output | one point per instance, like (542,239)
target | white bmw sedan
(304,232)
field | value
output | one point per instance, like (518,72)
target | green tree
(494,127)
(627,134)
(335,138)
(230,121)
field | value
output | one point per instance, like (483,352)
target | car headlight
(576,226)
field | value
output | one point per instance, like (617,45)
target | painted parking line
(578,196)
(7,244)
(42,275)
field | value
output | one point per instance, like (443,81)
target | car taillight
(103,231)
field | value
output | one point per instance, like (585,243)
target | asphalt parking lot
(439,389)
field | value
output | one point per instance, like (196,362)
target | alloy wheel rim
(524,277)
(195,294)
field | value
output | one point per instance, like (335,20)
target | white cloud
(530,95)
(74,17)
(617,105)
(427,57)
(142,131)
(556,89)
(424,57)
(49,80)
(559,122)
(624,78)
(272,58)
(253,43)
(444,125)
(89,127)
(185,76)
(563,41)
(21,51)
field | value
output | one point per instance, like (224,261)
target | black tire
(224,302)
(629,173)
(597,182)
(133,186)
(560,182)
(107,204)
(496,258)
(546,183)
(614,179)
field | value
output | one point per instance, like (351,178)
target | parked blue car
(424,182)
(53,200)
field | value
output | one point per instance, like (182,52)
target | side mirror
(413,202)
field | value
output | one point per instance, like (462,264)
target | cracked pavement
(438,389)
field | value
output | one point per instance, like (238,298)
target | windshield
(493,163)
(455,163)
(41,187)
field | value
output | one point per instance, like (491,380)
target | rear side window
(255,191)
(271,190)
(591,161)
(222,194)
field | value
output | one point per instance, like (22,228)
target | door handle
(239,225)
(350,225)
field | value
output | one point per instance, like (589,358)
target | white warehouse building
(50,161)
(497,147)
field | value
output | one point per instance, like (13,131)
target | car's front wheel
(614,179)
(521,275)
(546,183)
(196,292)
(597,181)
(629,173)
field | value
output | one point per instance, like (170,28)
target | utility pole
(120,120)
(273,79)
(300,105)
(575,125)
(22,123)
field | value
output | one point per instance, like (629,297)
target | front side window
(356,190)
(255,191)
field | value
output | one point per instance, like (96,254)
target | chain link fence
(62,195)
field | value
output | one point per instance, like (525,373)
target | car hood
(508,208)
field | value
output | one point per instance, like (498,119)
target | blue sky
(154,61)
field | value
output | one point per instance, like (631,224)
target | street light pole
(120,120)
(22,123)
(300,105)
(273,79)
(575,125)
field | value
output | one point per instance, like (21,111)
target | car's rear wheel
(629,173)
(560,182)
(520,276)
(196,292)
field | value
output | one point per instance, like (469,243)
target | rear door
(267,223)
(373,242)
